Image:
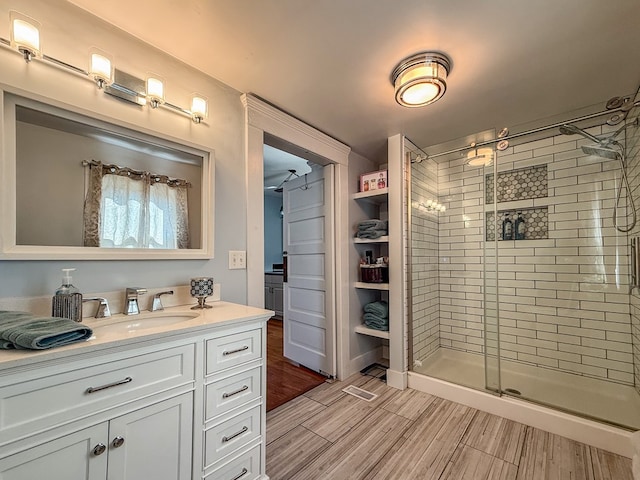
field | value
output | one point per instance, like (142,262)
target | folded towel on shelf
(381,309)
(373,224)
(372,320)
(371,234)
(21,330)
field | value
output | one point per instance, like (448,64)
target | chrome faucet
(156,305)
(103,307)
(131,300)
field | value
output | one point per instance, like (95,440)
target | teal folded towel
(372,320)
(21,330)
(381,309)
(371,234)
(373,224)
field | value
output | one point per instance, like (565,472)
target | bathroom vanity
(175,395)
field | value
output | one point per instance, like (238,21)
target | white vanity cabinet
(185,404)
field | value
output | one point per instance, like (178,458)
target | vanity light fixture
(198,108)
(25,39)
(421,79)
(25,35)
(155,91)
(100,68)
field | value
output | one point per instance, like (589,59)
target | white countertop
(129,329)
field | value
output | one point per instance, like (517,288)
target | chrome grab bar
(635,263)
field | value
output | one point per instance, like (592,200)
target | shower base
(596,399)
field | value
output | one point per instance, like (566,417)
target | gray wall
(272,231)
(68,33)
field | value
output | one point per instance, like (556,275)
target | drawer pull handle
(237,434)
(237,350)
(240,390)
(241,474)
(108,385)
(99,449)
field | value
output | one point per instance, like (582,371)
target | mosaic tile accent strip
(520,184)
(536,223)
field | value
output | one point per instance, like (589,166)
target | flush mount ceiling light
(421,79)
(480,157)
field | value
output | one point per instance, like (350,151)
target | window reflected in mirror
(82,182)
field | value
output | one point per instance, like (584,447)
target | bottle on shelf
(519,227)
(507,228)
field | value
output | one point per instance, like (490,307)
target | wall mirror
(74,187)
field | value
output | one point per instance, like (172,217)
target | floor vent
(360,393)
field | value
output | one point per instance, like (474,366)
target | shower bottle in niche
(519,227)
(507,228)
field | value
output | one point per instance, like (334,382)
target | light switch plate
(237,259)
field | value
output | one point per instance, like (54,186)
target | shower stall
(523,283)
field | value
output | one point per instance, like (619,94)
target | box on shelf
(373,181)
(376,273)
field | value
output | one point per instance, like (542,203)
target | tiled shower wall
(563,300)
(633,171)
(424,269)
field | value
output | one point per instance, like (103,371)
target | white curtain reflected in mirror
(125,208)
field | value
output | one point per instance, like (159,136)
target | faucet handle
(156,305)
(103,306)
(136,291)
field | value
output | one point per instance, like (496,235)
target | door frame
(261,118)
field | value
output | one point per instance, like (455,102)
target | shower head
(602,152)
(569,129)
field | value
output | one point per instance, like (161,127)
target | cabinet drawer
(231,435)
(58,397)
(231,350)
(231,392)
(244,467)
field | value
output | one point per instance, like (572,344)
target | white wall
(67,34)
(272,231)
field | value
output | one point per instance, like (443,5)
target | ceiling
(328,62)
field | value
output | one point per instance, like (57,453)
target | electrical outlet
(237,259)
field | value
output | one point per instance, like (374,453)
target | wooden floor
(285,381)
(329,435)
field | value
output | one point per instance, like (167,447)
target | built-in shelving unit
(380,246)
(383,239)
(372,286)
(364,330)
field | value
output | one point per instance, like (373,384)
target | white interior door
(309,309)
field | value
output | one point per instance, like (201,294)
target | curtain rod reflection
(136,174)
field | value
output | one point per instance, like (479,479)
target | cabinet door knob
(99,449)
(117,442)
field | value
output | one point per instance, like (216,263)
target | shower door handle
(635,263)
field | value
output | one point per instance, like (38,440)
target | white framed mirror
(74,187)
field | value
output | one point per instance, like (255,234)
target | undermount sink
(136,323)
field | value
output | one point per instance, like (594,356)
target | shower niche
(516,190)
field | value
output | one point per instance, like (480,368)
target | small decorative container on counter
(376,273)
(201,288)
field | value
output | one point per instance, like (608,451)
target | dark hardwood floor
(285,381)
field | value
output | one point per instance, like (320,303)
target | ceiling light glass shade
(25,35)
(155,91)
(198,108)
(101,68)
(421,79)
(480,157)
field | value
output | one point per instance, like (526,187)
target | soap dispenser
(67,301)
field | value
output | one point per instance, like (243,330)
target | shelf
(372,286)
(383,239)
(371,332)
(373,196)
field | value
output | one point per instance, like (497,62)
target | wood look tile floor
(326,434)
(285,381)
